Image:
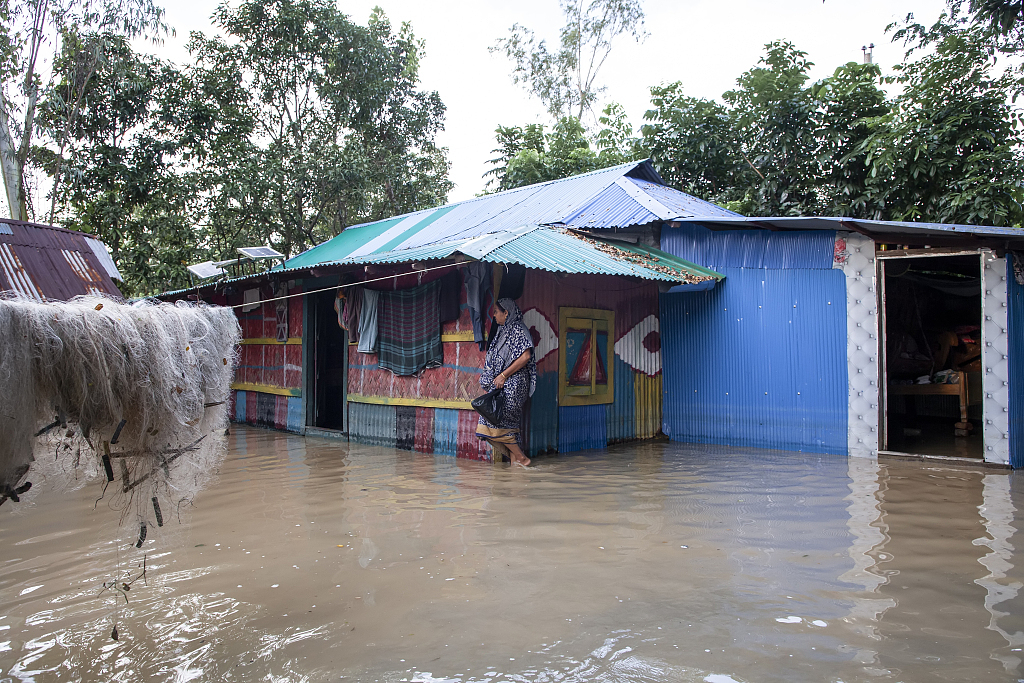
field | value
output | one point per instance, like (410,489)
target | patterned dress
(507,346)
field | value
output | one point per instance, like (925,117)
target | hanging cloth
(368,322)
(409,329)
(478,296)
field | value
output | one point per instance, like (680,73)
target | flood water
(317,560)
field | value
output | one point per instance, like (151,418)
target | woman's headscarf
(511,341)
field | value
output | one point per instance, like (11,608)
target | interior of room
(932,345)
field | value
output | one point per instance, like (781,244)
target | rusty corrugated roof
(49,263)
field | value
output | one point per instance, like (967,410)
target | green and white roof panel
(617,197)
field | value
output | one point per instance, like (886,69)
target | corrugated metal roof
(871,228)
(680,203)
(618,196)
(48,263)
(551,249)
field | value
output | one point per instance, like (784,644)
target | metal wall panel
(758,361)
(424,442)
(544,414)
(647,393)
(405,427)
(296,414)
(582,427)
(862,339)
(372,424)
(621,414)
(750,248)
(1015,296)
(239,406)
(994,356)
(446,431)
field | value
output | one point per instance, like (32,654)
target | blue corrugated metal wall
(761,359)
(582,427)
(446,431)
(296,414)
(544,414)
(239,406)
(750,248)
(1015,331)
(621,415)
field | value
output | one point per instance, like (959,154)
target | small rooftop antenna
(868,51)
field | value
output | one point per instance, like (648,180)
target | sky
(705,44)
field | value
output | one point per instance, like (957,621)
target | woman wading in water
(510,366)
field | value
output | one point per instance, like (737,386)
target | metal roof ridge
(494,240)
(645,200)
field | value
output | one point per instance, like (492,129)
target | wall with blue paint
(1015,331)
(582,427)
(760,360)
(269,410)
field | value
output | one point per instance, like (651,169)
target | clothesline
(351,284)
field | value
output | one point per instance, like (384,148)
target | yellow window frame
(598,320)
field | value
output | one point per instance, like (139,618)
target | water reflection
(316,560)
(997,512)
(869,536)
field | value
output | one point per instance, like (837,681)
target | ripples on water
(312,560)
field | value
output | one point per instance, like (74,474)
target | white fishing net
(133,394)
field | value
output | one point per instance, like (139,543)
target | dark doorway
(330,362)
(932,355)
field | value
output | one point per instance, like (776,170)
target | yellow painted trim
(418,402)
(592,314)
(266,389)
(453,337)
(269,340)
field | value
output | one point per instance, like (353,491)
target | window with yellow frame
(586,368)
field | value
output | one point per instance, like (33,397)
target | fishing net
(133,394)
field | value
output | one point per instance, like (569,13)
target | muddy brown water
(317,560)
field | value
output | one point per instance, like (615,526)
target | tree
(773,116)
(528,155)
(120,167)
(565,81)
(29,27)
(694,145)
(342,133)
(949,151)
(848,104)
(297,125)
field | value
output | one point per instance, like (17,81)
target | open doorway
(330,366)
(931,345)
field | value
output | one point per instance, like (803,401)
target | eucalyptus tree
(565,80)
(33,33)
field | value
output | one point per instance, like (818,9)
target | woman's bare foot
(518,457)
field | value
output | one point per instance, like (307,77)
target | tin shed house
(580,257)
(848,336)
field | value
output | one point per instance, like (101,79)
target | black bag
(491,405)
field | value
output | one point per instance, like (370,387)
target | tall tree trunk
(9,165)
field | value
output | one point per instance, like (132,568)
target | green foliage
(949,150)
(116,168)
(565,81)
(528,155)
(773,116)
(848,102)
(29,30)
(293,126)
(946,149)
(694,145)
